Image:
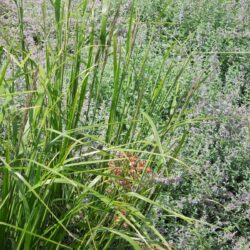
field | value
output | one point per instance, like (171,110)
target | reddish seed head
(132,159)
(124,225)
(117,171)
(132,171)
(124,212)
(124,182)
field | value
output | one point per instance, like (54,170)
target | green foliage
(124,124)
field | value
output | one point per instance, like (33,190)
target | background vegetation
(124,124)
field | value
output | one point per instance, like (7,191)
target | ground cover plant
(122,127)
(218,149)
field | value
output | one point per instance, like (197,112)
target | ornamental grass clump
(64,114)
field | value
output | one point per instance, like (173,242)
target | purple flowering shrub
(217,190)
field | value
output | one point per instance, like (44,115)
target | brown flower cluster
(137,166)
(118,219)
(130,167)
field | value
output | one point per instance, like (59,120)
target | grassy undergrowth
(89,130)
